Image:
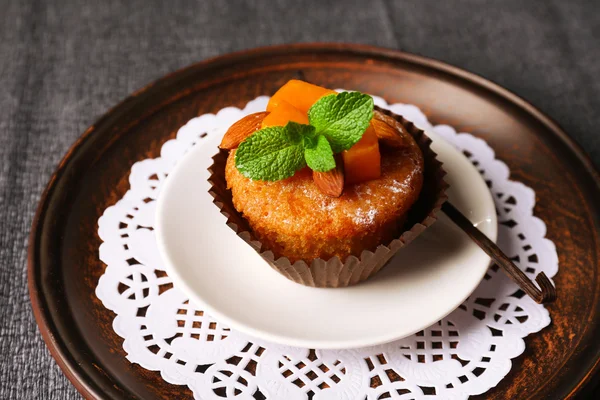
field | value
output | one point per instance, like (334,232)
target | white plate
(223,275)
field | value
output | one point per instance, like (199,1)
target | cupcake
(325,186)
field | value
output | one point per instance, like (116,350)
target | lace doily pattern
(464,354)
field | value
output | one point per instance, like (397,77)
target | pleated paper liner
(356,268)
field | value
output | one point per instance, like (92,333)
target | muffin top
(310,177)
(299,221)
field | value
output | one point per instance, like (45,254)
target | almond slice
(388,130)
(239,131)
(331,183)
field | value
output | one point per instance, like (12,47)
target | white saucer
(224,276)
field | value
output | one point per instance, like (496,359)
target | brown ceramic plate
(64,268)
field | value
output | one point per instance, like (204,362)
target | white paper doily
(464,354)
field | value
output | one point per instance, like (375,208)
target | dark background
(63,64)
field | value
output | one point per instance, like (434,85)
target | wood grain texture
(63,257)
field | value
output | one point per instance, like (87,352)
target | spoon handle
(545,294)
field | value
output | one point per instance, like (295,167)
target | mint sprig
(337,122)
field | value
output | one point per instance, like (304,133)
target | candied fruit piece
(362,162)
(299,94)
(282,114)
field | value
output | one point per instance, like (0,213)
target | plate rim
(82,381)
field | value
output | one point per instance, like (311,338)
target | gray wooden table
(63,64)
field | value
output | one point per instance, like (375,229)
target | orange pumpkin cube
(362,162)
(299,94)
(282,114)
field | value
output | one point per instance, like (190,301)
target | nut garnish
(388,130)
(331,183)
(239,131)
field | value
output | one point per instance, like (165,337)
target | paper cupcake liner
(356,268)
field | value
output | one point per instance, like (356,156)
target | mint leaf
(271,154)
(342,118)
(319,155)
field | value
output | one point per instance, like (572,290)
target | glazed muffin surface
(294,219)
